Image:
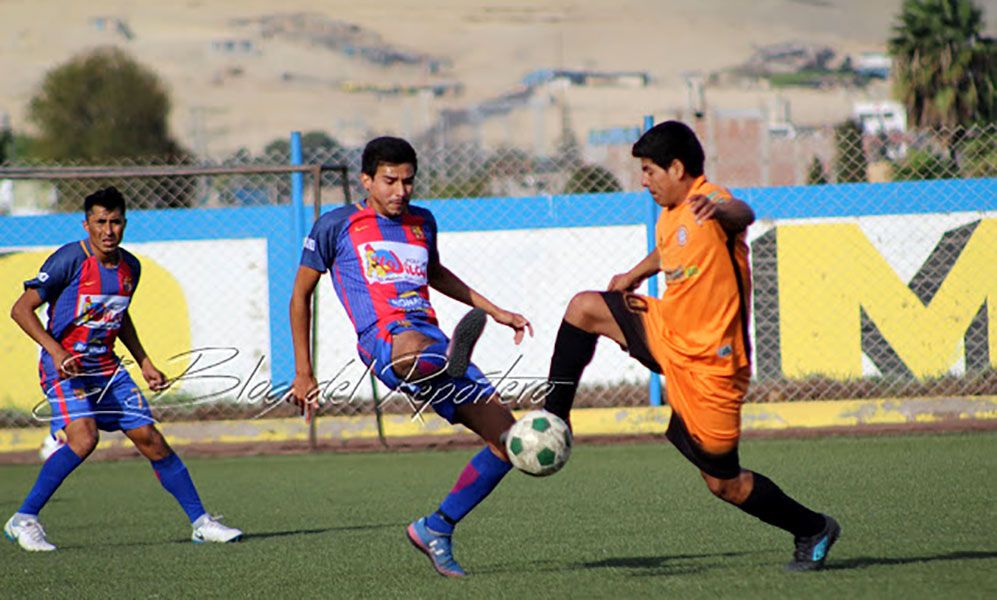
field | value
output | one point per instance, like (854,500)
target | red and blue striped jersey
(379,265)
(86,302)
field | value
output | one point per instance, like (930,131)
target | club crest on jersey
(390,262)
(126,285)
(682,235)
(418,233)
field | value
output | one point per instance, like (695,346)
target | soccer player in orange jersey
(696,334)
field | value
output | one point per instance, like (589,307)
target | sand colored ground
(223,101)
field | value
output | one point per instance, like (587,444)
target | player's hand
(703,208)
(516,321)
(68,364)
(154,377)
(623,282)
(304,393)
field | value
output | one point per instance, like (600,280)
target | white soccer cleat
(50,446)
(208,528)
(28,533)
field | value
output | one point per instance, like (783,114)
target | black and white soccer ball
(539,443)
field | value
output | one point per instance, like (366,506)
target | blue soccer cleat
(812,551)
(437,547)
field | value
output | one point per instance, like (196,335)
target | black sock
(770,504)
(573,351)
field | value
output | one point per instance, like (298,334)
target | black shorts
(627,310)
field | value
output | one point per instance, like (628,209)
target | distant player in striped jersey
(696,333)
(382,258)
(88,286)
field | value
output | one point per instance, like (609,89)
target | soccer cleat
(208,528)
(812,551)
(437,547)
(465,336)
(28,533)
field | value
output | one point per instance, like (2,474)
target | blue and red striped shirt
(379,265)
(86,303)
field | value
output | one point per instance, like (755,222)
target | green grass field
(918,512)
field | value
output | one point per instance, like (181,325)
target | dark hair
(670,141)
(391,150)
(109,197)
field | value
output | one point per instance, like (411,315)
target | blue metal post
(651,221)
(297,192)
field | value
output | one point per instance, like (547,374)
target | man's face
(106,228)
(664,184)
(390,189)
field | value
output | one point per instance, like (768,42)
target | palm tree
(944,67)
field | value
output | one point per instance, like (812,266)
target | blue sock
(53,473)
(172,473)
(476,481)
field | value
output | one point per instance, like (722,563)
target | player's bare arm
(733,215)
(304,386)
(444,281)
(23,313)
(628,282)
(129,337)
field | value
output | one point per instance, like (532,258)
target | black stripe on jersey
(731,243)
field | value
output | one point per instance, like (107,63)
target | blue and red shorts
(111,399)
(441,392)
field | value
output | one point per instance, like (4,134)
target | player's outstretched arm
(444,281)
(129,337)
(304,386)
(628,282)
(733,215)
(23,313)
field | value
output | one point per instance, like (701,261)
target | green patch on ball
(541,424)
(546,457)
(516,445)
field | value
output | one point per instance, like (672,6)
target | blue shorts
(442,392)
(114,401)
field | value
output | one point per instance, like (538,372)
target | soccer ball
(539,443)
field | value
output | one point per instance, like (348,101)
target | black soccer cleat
(812,551)
(465,336)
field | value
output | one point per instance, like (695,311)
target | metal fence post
(650,223)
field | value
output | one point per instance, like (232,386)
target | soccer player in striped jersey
(696,333)
(382,258)
(88,286)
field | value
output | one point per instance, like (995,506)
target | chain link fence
(859,291)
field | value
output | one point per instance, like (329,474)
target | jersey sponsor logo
(309,244)
(90,349)
(96,311)
(42,276)
(409,301)
(681,272)
(391,262)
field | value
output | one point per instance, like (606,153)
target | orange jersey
(700,321)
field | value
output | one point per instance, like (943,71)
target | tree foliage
(816,174)
(102,105)
(923,164)
(592,179)
(849,153)
(944,67)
